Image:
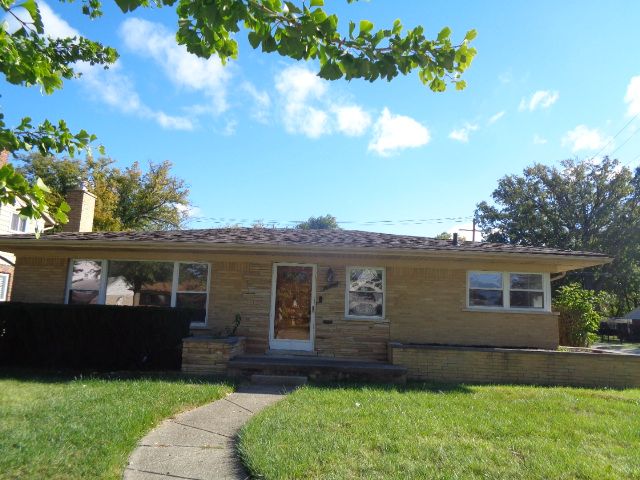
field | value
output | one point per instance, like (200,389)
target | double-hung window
(4,286)
(508,290)
(365,293)
(18,223)
(141,283)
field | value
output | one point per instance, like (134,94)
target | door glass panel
(292,319)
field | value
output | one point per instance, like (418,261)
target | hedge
(96,337)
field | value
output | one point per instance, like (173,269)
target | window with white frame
(508,290)
(365,293)
(141,283)
(18,223)
(4,286)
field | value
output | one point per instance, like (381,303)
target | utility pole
(472,230)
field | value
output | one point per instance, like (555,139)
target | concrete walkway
(200,444)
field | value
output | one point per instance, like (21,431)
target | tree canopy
(581,205)
(326,222)
(129,199)
(299,30)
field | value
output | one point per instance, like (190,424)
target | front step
(282,380)
(316,368)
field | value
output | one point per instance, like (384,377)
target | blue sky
(263,138)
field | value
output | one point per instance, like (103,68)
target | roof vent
(455,239)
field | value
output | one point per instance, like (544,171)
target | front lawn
(55,428)
(439,432)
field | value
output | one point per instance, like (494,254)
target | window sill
(366,319)
(510,310)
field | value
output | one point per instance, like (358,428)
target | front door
(293,293)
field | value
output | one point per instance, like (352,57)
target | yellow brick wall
(425,301)
(39,280)
(428,305)
(484,365)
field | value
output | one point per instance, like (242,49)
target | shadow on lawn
(66,376)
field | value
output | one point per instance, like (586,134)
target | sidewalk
(200,444)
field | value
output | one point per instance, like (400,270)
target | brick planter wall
(500,365)
(209,356)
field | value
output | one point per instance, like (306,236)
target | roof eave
(565,261)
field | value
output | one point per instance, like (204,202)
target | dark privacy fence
(97,337)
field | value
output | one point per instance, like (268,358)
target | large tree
(299,30)
(129,199)
(593,206)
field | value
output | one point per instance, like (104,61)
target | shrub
(97,337)
(579,318)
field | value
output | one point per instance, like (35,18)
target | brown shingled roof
(295,237)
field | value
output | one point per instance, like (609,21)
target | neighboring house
(12,223)
(335,293)
(633,314)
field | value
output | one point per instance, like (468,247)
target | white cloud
(584,138)
(117,90)
(308,107)
(462,134)
(260,102)
(632,98)
(299,88)
(352,120)
(54,26)
(494,118)
(111,86)
(182,68)
(230,127)
(540,99)
(392,133)
(538,140)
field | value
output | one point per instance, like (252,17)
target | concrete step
(284,380)
(316,368)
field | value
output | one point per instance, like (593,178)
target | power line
(626,141)
(403,222)
(615,136)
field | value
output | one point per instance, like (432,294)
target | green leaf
(317,3)
(330,71)
(254,39)
(471,34)
(444,34)
(319,16)
(32,7)
(365,27)
(352,27)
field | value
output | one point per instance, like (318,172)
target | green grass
(439,432)
(59,428)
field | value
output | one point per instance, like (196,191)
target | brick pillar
(83,204)
(4,158)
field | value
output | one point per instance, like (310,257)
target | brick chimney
(4,158)
(83,205)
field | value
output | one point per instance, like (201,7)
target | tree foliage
(579,316)
(299,30)
(326,222)
(579,206)
(129,199)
